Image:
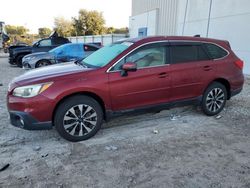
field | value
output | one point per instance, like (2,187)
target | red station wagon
(133,74)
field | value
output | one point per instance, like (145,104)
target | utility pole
(209,17)
(185,17)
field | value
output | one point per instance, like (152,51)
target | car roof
(170,38)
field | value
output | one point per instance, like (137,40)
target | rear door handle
(207,68)
(163,75)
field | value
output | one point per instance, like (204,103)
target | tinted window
(88,48)
(59,40)
(187,53)
(215,51)
(46,42)
(145,57)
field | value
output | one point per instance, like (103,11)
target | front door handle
(207,68)
(163,75)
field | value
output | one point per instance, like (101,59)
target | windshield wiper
(78,62)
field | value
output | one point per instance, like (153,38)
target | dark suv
(16,53)
(134,74)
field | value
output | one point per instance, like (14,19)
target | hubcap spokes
(43,64)
(80,120)
(215,99)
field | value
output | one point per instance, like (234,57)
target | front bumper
(11,61)
(26,121)
(26,65)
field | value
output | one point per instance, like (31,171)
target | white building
(228,20)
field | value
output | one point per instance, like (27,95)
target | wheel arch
(85,93)
(224,82)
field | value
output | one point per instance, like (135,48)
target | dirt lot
(189,150)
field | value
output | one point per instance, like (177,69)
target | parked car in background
(129,75)
(16,53)
(63,53)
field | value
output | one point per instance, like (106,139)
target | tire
(42,63)
(19,61)
(71,126)
(214,99)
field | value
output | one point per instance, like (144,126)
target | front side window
(144,57)
(188,53)
(215,51)
(46,42)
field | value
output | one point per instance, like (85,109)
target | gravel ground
(180,147)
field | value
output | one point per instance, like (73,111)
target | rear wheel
(42,63)
(214,99)
(78,118)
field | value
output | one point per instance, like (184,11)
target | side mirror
(129,66)
(36,44)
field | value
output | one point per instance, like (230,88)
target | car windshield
(103,56)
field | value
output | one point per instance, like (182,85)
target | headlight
(29,58)
(31,91)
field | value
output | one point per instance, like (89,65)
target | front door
(149,85)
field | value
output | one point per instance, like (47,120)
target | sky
(34,14)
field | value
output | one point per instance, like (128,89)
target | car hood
(36,54)
(22,48)
(50,72)
(39,54)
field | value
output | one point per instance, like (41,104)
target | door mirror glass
(129,66)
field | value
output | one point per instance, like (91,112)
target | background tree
(19,34)
(110,30)
(44,32)
(63,27)
(123,30)
(16,30)
(89,23)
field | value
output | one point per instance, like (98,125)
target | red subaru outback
(133,74)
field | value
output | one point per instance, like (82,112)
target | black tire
(214,99)
(64,118)
(43,63)
(19,61)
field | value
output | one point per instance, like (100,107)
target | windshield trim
(114,64)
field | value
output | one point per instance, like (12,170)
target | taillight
(239,64)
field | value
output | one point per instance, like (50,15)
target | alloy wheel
(80,120)
(42,64)
(215,99)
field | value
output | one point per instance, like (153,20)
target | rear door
(149,85)
(188,68)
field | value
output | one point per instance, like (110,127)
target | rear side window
(188,53)
(215,51)
(89,48)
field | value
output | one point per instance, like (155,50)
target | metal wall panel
(167,13)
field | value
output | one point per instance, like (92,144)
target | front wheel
(78,118)
(19,61)
(42,63)
(214,99)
